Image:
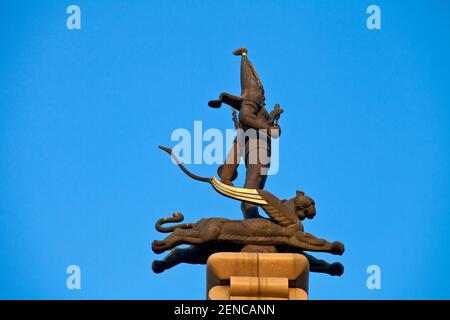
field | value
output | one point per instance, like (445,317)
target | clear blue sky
(365,133)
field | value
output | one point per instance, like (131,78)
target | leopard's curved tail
(176,217)
(183,168)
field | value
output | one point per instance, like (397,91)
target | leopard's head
(304,206)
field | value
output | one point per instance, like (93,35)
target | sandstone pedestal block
(260,276)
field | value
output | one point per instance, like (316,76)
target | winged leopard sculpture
(282,232)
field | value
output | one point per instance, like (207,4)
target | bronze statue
(257,127)
(282,232)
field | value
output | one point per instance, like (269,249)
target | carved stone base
(257,276)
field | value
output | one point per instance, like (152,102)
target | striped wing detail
(243,194)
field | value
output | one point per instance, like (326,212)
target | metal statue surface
(282,231)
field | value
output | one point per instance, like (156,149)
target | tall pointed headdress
(251,86)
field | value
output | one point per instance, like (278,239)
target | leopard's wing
(243,194)
(278,210)
(275,209)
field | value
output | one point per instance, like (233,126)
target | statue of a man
(255,128)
